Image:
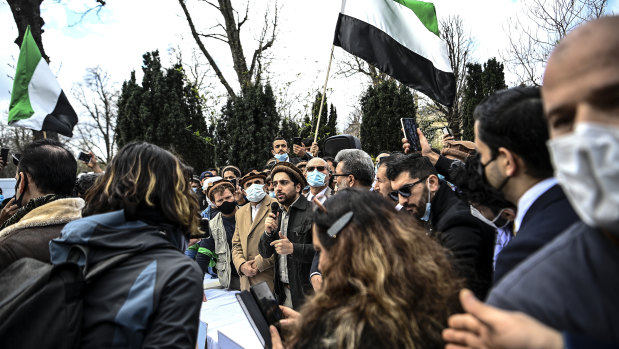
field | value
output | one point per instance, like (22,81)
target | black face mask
(227,207)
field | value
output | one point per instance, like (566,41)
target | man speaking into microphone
(288,235)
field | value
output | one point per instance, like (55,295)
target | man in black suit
(448,218)
(511,135)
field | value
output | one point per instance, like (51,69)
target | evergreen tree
(382,106)
(165,111)
(247,127)
(472,95)
(328,121)
(289,129)
(479,84)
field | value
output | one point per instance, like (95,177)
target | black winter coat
(300,261)
(470,240)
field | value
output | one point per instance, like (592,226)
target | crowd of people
(397,252)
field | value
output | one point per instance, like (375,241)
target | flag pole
(324,91)
(44,134)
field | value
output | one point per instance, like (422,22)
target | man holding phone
(280,151)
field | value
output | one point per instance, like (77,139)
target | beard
(288,198)
(419,209)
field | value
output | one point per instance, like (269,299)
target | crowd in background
(394,252)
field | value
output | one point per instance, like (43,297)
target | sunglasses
(405,191)
(312,168)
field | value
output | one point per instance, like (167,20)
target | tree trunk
(28,12)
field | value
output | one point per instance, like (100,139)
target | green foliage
(381,108)
(328,123)
(246,129)
(479,84)
(289,129)
(165,111)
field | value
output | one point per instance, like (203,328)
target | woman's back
(130,305)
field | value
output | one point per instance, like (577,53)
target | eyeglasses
(394,195)
(312,168)
(405,190)
(16,158)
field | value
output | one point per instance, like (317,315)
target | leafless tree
(229,32)
(97,97)
(354,123)
(534,33)
(460,47)
(351,65)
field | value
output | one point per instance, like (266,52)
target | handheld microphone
(274,208)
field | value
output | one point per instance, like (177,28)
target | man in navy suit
(511,135)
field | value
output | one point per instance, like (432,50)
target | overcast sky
(125,30)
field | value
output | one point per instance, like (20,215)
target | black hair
(386,160)
(85,182)
(514,119)
(307,142)
(471,187)
(416,165)
(50,165)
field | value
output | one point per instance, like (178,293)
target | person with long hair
(386,284)
(142,206)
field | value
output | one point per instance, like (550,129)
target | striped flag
(401,38)
(37,101)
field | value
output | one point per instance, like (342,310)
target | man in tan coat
(250,220)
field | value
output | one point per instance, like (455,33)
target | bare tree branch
(206,53)
(533,34)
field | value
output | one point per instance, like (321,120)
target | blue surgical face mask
(255,192)
(426,215)
(195,190)
(281,157)
(272,194)
(316,179)
(1,197)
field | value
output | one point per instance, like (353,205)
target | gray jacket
(222,250)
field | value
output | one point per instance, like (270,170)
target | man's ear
(433,183)
(298,188)
(21,187)
(509,214)
(351,181)
(509,162)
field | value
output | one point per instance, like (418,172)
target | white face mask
(255,192)
(586,165)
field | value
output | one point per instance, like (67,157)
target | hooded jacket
(150,300)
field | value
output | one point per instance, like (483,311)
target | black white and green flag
(401,38)
(37,100)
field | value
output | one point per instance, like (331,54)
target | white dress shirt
(321,196)
(529,197)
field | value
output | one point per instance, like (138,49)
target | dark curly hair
(471,187)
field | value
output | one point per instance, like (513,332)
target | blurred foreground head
(383,277)
(581,103)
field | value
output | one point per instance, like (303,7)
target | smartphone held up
(85,157)
(409,126)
